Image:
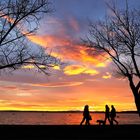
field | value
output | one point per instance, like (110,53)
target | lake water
(43,118)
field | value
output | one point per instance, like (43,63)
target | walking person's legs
(82,121)
(109,120)
(116,121)
(87,122)
(105,120)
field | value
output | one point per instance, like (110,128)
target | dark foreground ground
(69,132)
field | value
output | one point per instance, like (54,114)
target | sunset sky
(84,78)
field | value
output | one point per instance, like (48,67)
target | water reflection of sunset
(43,118)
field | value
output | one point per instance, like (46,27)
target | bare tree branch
(19,19)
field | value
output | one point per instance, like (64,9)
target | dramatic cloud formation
(62,42)
(68,49)
(71,52)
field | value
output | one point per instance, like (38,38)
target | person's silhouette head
(106,106)
(112,106)
(86,108)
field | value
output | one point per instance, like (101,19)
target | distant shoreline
(63,111)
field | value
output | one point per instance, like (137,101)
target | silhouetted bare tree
(118,36)
(19,19)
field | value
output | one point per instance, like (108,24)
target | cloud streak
(58,84)
(78,69)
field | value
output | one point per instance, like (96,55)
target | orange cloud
(8,87)
(88,56)
(78,69)
(48,41)
(63,45)
(57,67)
(67,49)
(58,84)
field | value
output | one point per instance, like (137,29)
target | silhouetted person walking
(113,115)
(86,116)
(107,114)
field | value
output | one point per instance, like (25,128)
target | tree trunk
(135,93)
(137,101)
(136,98)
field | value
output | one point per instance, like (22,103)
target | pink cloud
(8,87)
(74,24)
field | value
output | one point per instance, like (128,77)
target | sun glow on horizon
(119,107)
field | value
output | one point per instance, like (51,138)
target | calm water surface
(43,118)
